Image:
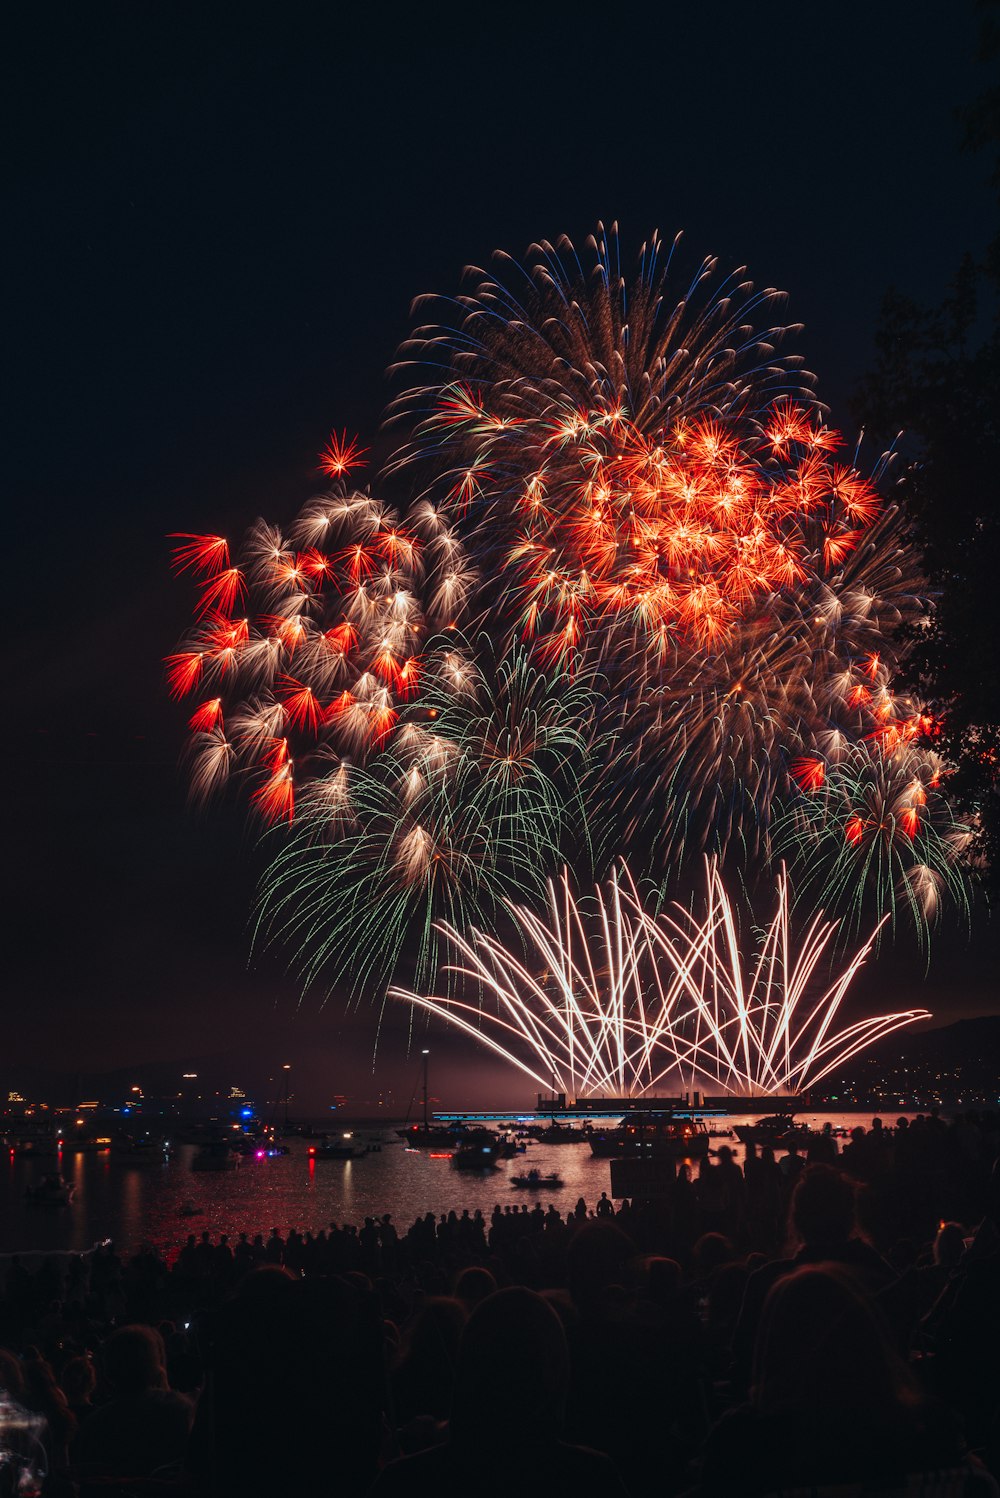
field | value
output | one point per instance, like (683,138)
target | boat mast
(425,1055)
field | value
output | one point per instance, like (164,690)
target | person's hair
(823,1206)
(473,1285)
(711,1251)
(663,1278)
(11,1377)
(596,1259)
(78,1379)
(513,1366)
(822,1344)
(43,1393)
(265,1282)
(135,1360)
(435,1330)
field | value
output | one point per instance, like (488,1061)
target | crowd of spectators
(799,1324)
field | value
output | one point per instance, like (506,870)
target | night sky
(217,222)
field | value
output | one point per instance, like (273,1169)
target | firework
(481,796)
(614,999)
(308,645)
(645,486)
(642,599)
(874,829)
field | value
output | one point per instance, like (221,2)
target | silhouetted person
(505,1431)
(295,1389)
(831,1402)
(423,1380)
(143,1428)
(823,1221)
(78,1381)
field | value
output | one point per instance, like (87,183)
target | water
(136,1203)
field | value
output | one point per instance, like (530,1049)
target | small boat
(140,1149)
(90,1144)
(480,1149)
(647,1136)
(778,1131)
(50,1191)
(190,1210)
(555,1133)
(430,1137)
(535,1181)
(34,1136)
(214,1154)
(260,1149)
(344,1148)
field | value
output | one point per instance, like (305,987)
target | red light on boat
(440,1154)
(312,1149)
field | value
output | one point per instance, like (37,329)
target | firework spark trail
(616,1001)
(469,803)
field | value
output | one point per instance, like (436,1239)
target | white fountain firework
(611,999)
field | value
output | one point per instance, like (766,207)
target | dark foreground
(782,1327)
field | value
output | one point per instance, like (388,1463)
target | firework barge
(644,1139)
(582,1117)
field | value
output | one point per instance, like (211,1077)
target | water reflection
(132,1203)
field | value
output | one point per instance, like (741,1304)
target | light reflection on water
(135,1203)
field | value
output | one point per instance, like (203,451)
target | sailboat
(425,1135)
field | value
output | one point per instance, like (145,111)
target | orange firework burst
(331,622)
(649,492)
(339,455)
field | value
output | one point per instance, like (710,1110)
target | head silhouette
(821,1345)
(823,1206)
(513,1365)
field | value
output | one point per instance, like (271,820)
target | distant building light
(190,1076)
(14,1097)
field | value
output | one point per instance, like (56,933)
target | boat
(651,1136)
(188,1209)
(139,1149)
(35,1137)
(261,1148)
(480,1149)
(373,1140)
(779,1131)
(535,1181)
(428,1136)
(87,1144)
(50,1191)
(344,1148)
(555,1133)
(214,1154)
